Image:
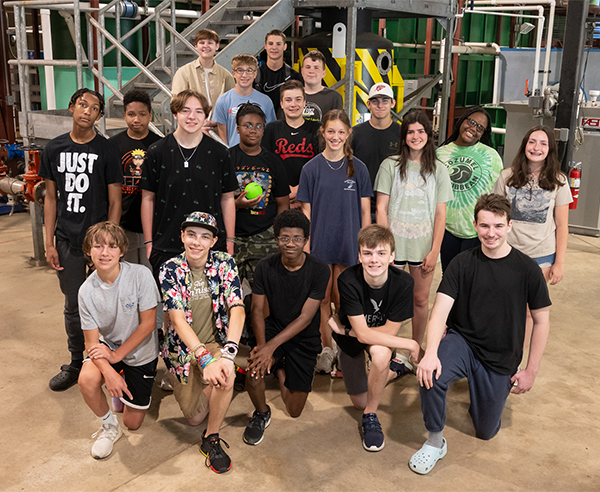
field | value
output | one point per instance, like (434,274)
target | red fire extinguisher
(574,183)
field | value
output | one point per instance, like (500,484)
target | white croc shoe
(425,458)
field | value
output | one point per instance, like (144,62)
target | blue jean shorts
(545,261)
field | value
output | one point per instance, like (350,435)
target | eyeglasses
(287,239)
(472,123)
(259,127)
(241,71)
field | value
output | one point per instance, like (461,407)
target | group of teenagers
(315,272)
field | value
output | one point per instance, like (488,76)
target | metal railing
(95,63)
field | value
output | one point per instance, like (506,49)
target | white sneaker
(106,436)
(325,360)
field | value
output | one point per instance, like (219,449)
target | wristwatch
(229,349)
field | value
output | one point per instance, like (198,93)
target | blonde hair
(244,59)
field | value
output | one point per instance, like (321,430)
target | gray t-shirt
(115,309)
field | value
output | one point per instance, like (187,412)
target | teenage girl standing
(412,190)
(539,198)
(335,191)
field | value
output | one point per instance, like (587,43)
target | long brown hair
(340,114)
(551,176)
(428,153)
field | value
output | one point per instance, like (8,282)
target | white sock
(109,418)
(436,439)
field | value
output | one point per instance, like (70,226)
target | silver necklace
(186,160)
(329,164)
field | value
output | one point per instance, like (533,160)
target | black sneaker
(255,430)
(217,459)
(372,434)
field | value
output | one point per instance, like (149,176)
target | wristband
(148,242)
(231,240)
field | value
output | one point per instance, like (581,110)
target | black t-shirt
(490,304)
(82,173)
(393,301)
(267,170)
(295,146)
(268,82)
(318,104)
(372,146)
(182,190)
(287,292)
(133,153)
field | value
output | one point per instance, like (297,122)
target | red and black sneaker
(217,459)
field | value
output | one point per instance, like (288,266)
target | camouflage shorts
(250,250)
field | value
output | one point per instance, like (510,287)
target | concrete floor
(548,439)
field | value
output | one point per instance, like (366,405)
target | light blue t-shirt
(226,109)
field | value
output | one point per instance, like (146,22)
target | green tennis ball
(253,190)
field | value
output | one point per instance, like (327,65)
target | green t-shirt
(473,172)
(202,311)
(411,210)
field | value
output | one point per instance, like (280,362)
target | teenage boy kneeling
(286,298)
(117,305)
(201,292)
(375,298)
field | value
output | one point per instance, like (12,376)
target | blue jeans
(488,390)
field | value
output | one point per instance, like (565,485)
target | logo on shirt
(76,167)
(284,149)
(350,185)
(376,307)
(199,290)
(312,112)
(465,173)
(132,171)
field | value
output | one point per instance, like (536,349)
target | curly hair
(85,90)
(292,218)
(485,139)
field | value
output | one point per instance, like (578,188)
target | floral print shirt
(175,280)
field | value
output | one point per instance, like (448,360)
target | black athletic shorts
(140,380)
(299,358)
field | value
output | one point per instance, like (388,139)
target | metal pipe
(173,41)
(352,13)
(47,63)
(120,41)
(446,71)
(26,96)
(100,45)
(78,45)
(48,55)
(540,28)
(548,50)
